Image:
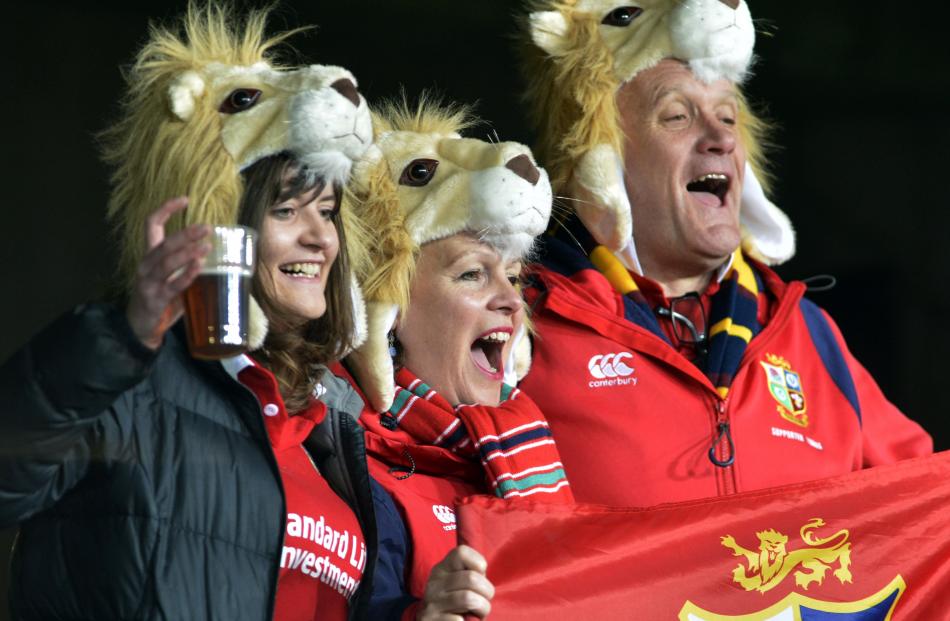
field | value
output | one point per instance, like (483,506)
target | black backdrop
(859,90)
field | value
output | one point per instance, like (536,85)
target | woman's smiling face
(462,313)
(298,246)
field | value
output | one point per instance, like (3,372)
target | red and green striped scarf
(733,320)
(512,441)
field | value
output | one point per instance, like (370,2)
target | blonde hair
(156,155)
(571,100)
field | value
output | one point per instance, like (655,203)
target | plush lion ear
(371,362)
(183,92)
(769,236)
(548,30)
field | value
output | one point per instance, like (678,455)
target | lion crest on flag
(768,566)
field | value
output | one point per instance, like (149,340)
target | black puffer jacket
(146,484)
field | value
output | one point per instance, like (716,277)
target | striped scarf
(733,317)
(512,441)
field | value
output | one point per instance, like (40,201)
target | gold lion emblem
(768,566)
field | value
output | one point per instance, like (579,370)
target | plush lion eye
(418,172)
(622,16)
(240,100)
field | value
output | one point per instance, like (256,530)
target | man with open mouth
(671,362)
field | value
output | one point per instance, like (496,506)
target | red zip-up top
(425,482)
(635,420)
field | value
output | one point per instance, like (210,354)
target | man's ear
(549,31)
(183,92)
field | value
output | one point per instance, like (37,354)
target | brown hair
(291,351)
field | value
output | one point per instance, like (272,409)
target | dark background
(860,92)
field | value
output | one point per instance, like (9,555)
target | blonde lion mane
(385,271)
(157,156)
(572,101)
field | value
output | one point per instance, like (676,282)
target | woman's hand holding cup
(169,266)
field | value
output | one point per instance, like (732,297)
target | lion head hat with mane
(205,100)
(580,52)
(422,181)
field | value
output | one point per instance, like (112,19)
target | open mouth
(301,270)
(487,352)
(710,189)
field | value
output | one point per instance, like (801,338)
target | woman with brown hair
(233,488)
(149,484)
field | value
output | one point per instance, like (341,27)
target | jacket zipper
(722,453)
(722,450)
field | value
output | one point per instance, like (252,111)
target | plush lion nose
(348,90)
(521,165)
(732,4)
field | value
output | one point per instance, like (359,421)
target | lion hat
(422,181)
(205,100)
(580,52)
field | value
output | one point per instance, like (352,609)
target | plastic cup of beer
(216,303)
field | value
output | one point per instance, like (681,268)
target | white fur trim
(183,92)
(770,231)
(519,358)
(548,29)
(629,257)
(331,166)
(724,268)
(371,363)
(364,166)
(257,326)
(360,328)
(715,39)
(606,212)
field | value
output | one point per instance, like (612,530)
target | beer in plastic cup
(216,303)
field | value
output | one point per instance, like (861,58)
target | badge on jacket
(785,386)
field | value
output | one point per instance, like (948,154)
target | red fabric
(425,499)
(888,532)
(426,479)
(643,438)
(323,555)
(512,440)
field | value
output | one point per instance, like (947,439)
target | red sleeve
(887,434)
(409,614)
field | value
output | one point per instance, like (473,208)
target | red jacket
(635,421)
(424,482)
(416,520)
(425,486)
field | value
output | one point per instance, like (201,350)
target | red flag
(870,545)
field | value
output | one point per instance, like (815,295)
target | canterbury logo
(603,366)
(445,514)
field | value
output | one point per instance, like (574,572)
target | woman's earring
(392,344)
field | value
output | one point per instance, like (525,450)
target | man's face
(683,170)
